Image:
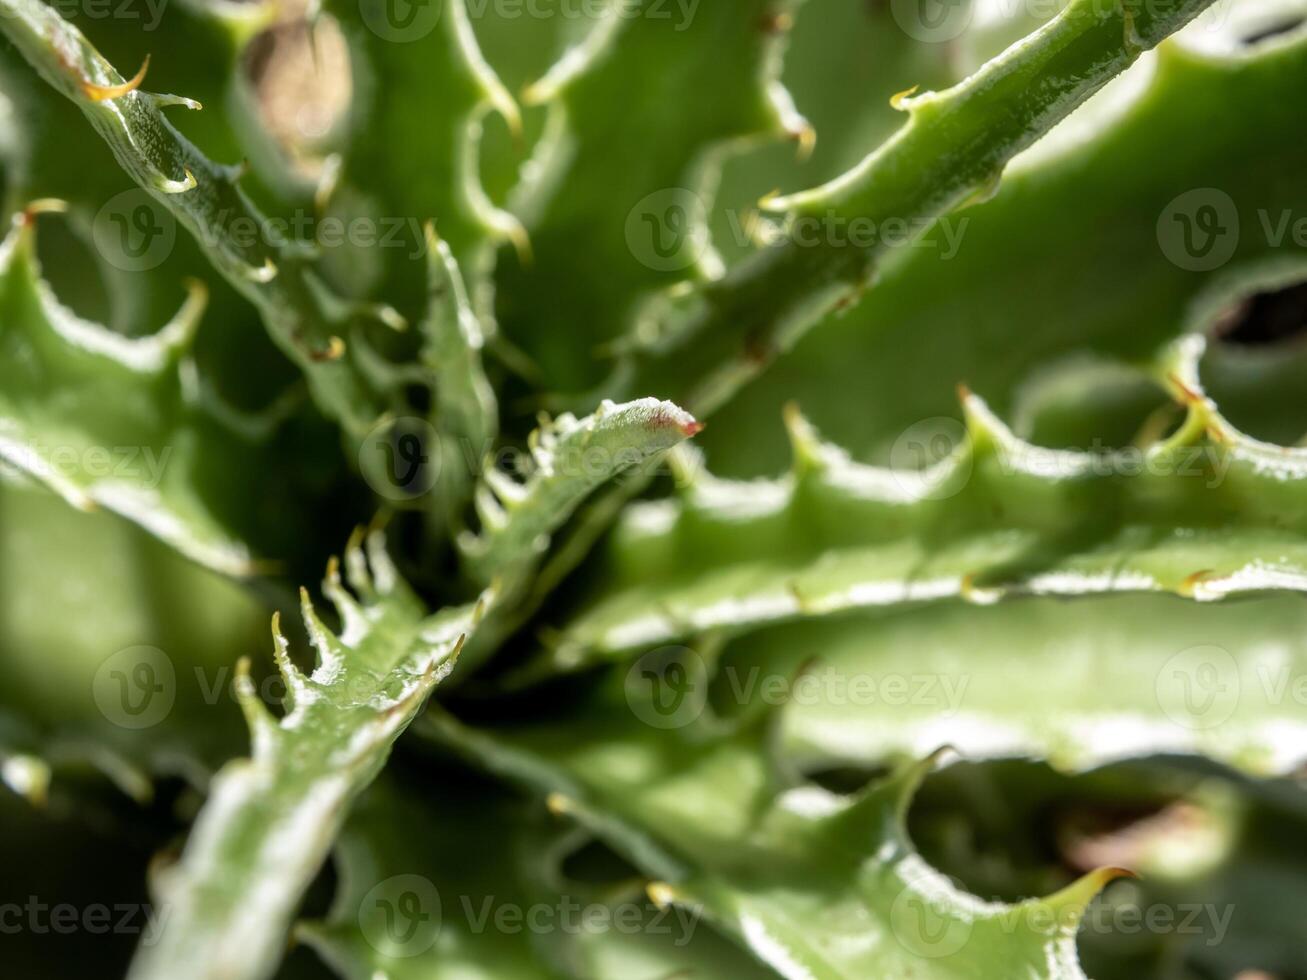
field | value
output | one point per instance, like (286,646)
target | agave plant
(520,309)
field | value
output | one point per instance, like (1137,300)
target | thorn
(334,352)
(165,101)
(385,314)
(558,804)
(965,394)
(42,205)
(102,93)
(985,191)
(946,749)
(521,241)
(27,776)
(806,137)
(356,566)
(167,185)
(454,654)
(661,894)
(503,103)
(898,99)
(328,180)
(805,444)
(1187,394)
(196,288)
(179,333)
(264,273)
(261,723)
(1191,582)
(1082,891)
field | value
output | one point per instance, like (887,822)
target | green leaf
(607,164)
(133,431)
(73,695)
(572,457)
(843,62)
(1079,683)
(952,151)
(421,84)
(1206,513)
(271,820)
(463,880)
(1220,869)
(466,412)
(994,294)
(815,885)
(305,321)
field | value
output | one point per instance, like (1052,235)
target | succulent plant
(595,692)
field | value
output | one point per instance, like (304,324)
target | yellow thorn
(660,893)
(504,104)
(1082,891)
(102,93)
(1187,394)
(45,205)
(334,352)
(521,241)
(558,804)
(1191,582)
(537,93)
(807,140)
(898,98)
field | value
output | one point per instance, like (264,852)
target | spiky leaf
(271,819)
